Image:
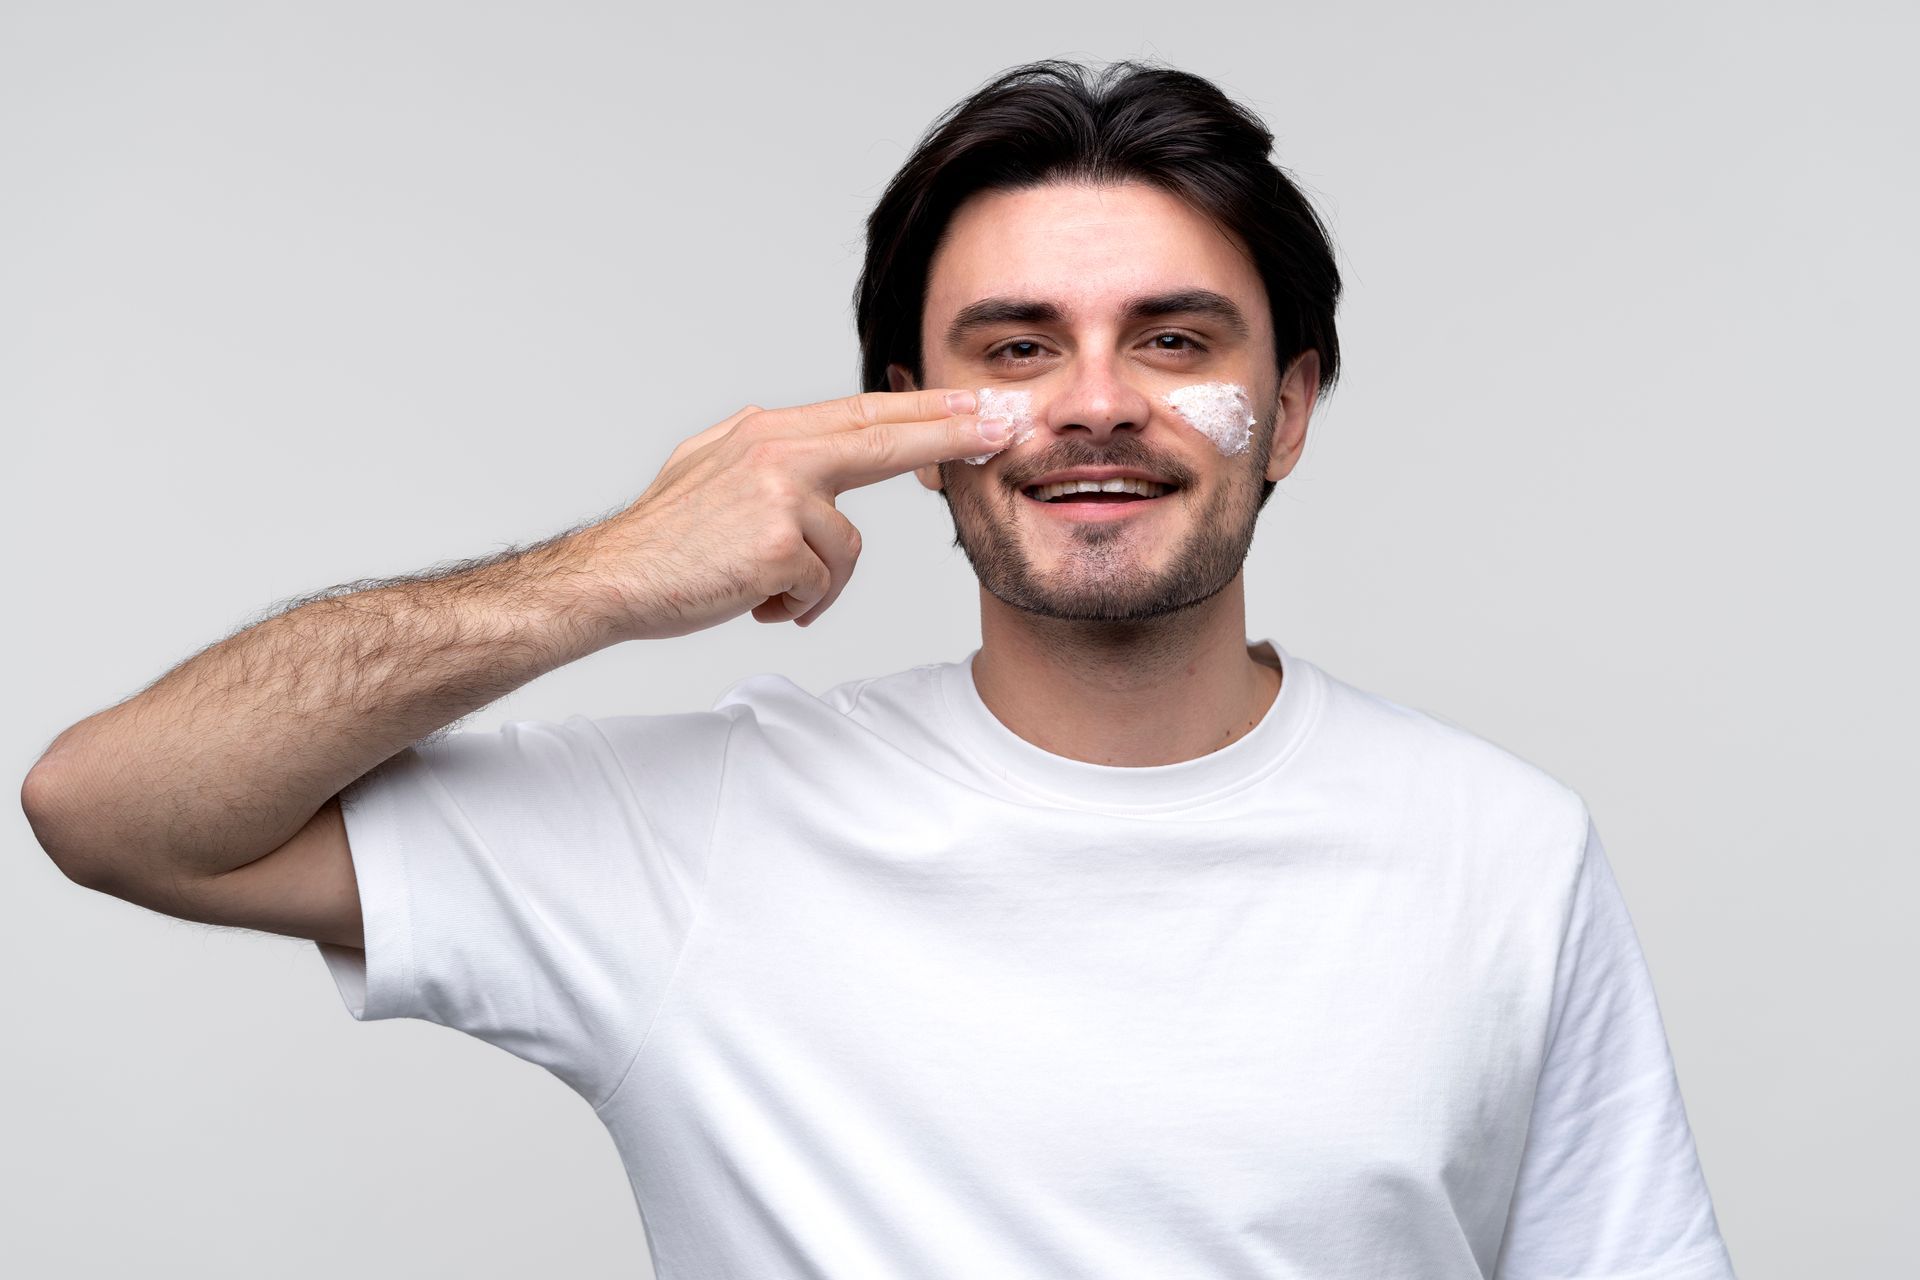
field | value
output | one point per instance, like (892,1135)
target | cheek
(1016,406)
(1220,411)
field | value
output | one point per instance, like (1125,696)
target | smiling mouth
(1095,492)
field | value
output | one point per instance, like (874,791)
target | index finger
(880,408)
(854,458)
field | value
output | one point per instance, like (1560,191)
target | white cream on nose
(1220,411)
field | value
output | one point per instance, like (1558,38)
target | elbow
(49,798)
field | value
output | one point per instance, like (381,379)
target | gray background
(291,295)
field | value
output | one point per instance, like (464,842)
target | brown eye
(1016,352)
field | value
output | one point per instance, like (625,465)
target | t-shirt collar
(1010,759)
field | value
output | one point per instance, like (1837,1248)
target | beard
(1101,571)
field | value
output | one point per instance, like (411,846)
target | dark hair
(1050,121)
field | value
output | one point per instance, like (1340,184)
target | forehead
(1088,248)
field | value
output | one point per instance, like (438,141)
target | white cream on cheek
(1220,411)
(1015,406)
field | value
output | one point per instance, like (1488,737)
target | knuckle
(770,453)
(865,447)
(864,408)
(778,490)
(779,543)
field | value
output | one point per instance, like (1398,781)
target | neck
(1131,694)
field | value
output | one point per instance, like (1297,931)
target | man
(1121,947)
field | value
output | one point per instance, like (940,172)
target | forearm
(223,759)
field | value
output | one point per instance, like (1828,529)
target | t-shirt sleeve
(1610,1186)
(533,887)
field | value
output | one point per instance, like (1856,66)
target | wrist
(572,598)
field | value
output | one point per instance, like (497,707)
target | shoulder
(581,764)
(1431,768)
(775,700)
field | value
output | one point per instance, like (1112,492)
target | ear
(898,379)
(1298,391)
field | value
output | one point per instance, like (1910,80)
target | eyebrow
(989,312)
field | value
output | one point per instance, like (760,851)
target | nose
(1095,403)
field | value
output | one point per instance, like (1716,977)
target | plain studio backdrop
(1617,478)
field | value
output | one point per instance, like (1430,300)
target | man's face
(1100,301)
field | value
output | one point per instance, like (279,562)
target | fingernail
(962,402)
(994,430)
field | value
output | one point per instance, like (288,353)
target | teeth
(1145,488)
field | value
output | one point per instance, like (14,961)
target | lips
(1097,474)
(1124,489)
(1100,508)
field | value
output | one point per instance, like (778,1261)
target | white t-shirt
(866,985)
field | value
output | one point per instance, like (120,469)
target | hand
(742,515)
